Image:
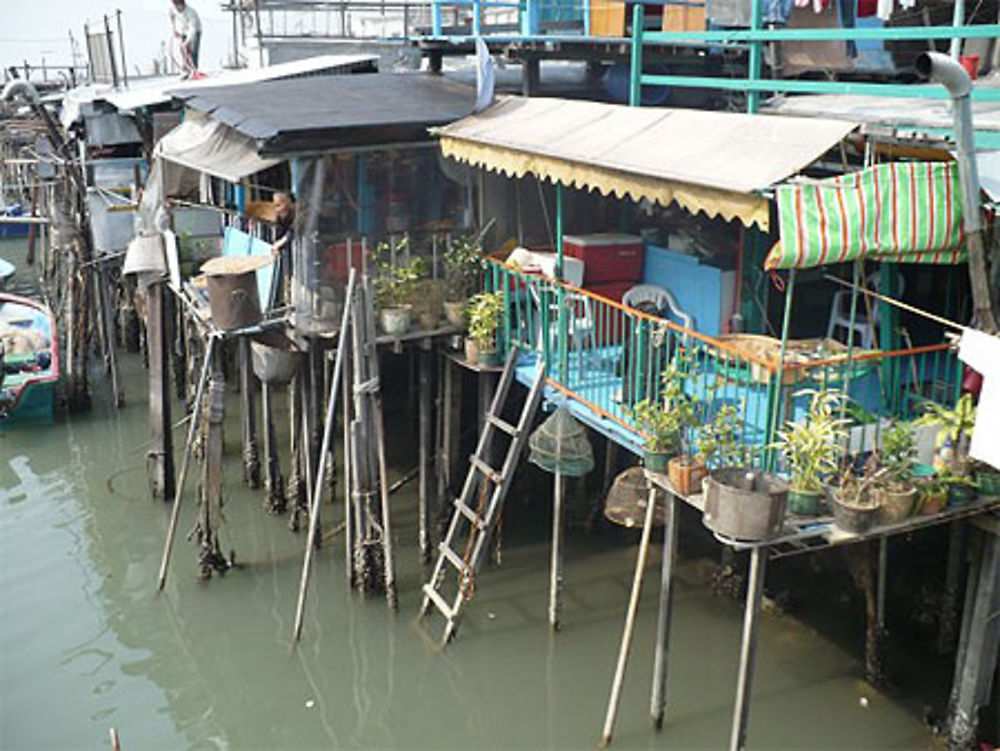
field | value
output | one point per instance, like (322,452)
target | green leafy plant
(813,447)
(720,441)
(955,427)
(897,455)
(463,267)
(484,311)
(395,283)
(665,422)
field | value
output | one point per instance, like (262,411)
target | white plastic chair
(840,314)
(661,298)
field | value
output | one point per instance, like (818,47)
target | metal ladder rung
(475,519)
(502,424)
(439,602)
(486,469)
(454,559)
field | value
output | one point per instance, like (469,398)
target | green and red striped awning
(908,212)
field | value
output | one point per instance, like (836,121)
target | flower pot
(656,461)
(428,320)
(932,503)
(805,503)
(395,321)
(960,495)
(488,357)
(894,505)
(989,483)
(850,518)
(471,350)
(686,474)
(744,504)
(455,313)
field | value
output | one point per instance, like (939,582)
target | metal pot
(744,504)
(232,291)
(274,365)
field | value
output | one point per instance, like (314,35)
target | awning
(712,162)
(207,146)
(908,212)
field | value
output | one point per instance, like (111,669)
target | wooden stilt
(188,446)
(426,439)
(633,607)
(748,649)
(161,460)
(658,696)
(273,481)
(248,416)
(294,488)
(947,624)
(210,556)
(977,658)
(555,568)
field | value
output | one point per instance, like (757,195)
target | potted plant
(685,469)
(394,287)
(661,432)
(932,494)
(951,445)
(895,493)
(740,502)
(463,266)
(484,311)
(855,506)
(812,449)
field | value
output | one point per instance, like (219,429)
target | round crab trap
(626,501)
(560,445)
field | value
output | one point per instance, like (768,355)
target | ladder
(475,524)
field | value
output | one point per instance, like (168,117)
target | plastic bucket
(971,65)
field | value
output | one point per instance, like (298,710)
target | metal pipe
(940,68)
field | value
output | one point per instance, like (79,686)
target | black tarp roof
(323,113)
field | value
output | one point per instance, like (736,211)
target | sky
(33,29)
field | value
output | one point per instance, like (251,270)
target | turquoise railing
(756,37)
(613,357)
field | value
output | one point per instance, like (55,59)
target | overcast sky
(33,29)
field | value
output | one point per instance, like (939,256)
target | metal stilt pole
(748,649)
(658,697)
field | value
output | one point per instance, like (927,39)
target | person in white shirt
(187,28)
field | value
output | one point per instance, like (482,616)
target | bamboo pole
(633,607)
(178,496)
(331,410)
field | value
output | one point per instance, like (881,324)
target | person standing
(281,248)
(187,28)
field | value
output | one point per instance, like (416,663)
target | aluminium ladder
(476,525)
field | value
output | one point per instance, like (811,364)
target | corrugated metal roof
(896,112)
(158,91)
(211,147)
(645,152)
(328,112)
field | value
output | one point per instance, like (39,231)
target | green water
(87,644)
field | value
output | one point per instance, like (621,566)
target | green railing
(609,357)
(756,37)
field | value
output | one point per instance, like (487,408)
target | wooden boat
(29,360)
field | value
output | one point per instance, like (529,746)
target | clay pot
(686,474)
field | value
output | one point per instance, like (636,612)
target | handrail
(724,346)
(891,33)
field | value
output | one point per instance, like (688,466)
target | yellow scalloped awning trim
(748,208)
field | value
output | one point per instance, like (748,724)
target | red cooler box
(607,256)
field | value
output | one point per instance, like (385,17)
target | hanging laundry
(777,12)
(981,351)
(884,9)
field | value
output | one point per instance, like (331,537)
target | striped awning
(908,212)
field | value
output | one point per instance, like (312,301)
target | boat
(13,228)
(29,360)
(7,270)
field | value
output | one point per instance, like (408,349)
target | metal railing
(609,357)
